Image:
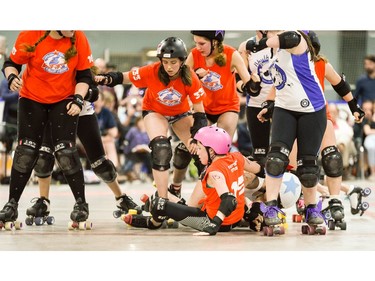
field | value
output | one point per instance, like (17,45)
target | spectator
(369,139)
(365,85)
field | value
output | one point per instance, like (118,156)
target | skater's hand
(213,227)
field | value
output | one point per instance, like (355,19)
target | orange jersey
(47,77)
(320,69)
(232,167)
(219,84)
(170,100)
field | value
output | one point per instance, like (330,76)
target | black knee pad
(25,156)
(277,160)
(228,203)
(182,156)
(104,169)
(198,164)
(46,161)
(308,171)
(332,162)
(67,157)
(161,153)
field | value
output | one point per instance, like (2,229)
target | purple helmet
(216,138)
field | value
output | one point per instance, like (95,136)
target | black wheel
(366,192)
(29,221)
(331,225)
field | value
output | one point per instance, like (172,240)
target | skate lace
(315,212)
(270,211)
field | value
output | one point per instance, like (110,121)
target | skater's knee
(228,203)
(25,156)
(44,165)
(161,153)
(104,169)
(182,157)
(158,209)
(332,161)
(67,157)
(277,160)
(308,171)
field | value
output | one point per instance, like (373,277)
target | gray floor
(113,235)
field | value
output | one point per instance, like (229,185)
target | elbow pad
(11,63)
(252,88)
(342,88)
(84,76)
(289,39)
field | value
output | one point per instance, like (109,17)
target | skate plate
(312,229)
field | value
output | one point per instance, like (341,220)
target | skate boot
(314,220)
(326,212)
(175,190)
(300,207)
(140,221)
(126,205)
(336,210)
(355,198)
(39,212)
(79,215)
(9,215)
(272,220)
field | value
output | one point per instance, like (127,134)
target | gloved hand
(269,105)
(253,46)
(354,107)
(254,216)
(111,79)
(213,227)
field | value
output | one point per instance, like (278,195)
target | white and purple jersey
(87,108)
(259,63)
(297,85)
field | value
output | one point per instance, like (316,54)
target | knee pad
(67,157)
(25,156)
(228,203)
(182,156)
(161,153)
(277,160)
(44,165)
(332,162)
(104,169)
(308,171)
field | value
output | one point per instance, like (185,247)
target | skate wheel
(18,225)
(342,225)
(331,225)
(72,225)
(320,230)
(117,214)
(29,221)
(366,192)
(50,220)
(305,229)
(82,225)
(132,212)
(297,218)
(88,225)
(364,206)
(9,225)
(38,221)
(267,231)
(310,230)
(172,223)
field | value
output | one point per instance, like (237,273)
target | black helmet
(314,41)
(172,47)
(210,34)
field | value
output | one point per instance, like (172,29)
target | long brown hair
(220,59)
(71,52)
(309,44)
(184,73)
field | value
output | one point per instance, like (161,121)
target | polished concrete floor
(109,234)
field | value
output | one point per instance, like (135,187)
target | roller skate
(126,205)
(175,190)
(79,216)
(140,221)
(272,220)
(39,212)
(9,215)
(314,220)
(335,214)
(300,207)
(355,198)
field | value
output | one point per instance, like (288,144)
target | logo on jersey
(262,65)
(54,62)
(169,97)
(278,76)
(305,103)
(211,81)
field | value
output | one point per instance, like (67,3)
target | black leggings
(32,120)
(307,128)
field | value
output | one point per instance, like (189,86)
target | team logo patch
(54,62)
(212,81)
(169,97)
(305,103)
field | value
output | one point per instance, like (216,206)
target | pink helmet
(214,137)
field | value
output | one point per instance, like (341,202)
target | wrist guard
(213,227)
(251,88)
(354,107)
(78,100)
(269,104)
(10,79)
(200,121)
(112,79)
